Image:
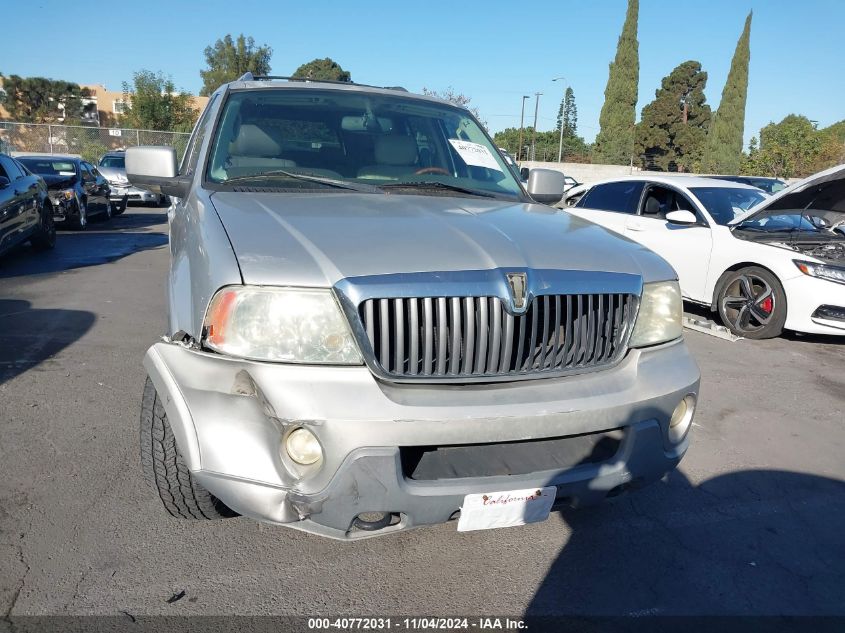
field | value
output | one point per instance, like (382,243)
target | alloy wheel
(749,303)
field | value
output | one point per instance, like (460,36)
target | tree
(153,103)
(41,100)
(615,140)
(793,148)
(546,145)
(567,114)
(323,70)
(723,146)
(456,98)
(671,132)
(228,59)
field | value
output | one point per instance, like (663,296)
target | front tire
(165,470)
(82,215)
(44,239)
(752,303)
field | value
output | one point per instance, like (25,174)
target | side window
(192,152)
(11,169)
(22,167)
(619,197)
(659,201)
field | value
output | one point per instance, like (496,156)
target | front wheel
(165,470)
(82,215)
(44,239)
(752,303)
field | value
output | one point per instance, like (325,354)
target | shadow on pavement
(29,336)
(751,542)
(77,250)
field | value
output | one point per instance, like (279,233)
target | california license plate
(506,509)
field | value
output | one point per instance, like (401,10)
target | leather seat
(396,157)
(254,147)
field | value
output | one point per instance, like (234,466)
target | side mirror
(546,185)
(681,217)
(154,168)
(523,173)
(4,182)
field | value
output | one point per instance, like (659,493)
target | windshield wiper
(330,182)
(438,185)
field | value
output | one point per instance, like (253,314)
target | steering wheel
(431,170)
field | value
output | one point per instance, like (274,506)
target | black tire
(752,303)
(119,208)
(44,239)
(81,221)
(166,472)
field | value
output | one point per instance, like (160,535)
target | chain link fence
(88,142)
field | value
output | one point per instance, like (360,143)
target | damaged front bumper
(229,418)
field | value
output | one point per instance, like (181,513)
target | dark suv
(25,209)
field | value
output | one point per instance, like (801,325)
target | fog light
(303,447)
(681,420)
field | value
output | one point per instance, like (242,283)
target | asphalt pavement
(752,522)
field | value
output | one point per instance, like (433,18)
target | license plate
(506,509)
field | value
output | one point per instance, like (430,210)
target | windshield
(47,167)
(113,161)
(269,137)
(724,204)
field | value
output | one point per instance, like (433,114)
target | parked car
(764,263)
(77,190)
(113,167)
(25,209)
(769,185)
(373,326)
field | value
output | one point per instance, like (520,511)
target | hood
(57,181)
(319,239)
(824,188)
(112,173)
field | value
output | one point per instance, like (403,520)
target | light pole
(560,145)
(521,124)
(537,96)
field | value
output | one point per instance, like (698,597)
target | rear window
(47,167)
(118,162)
(620,197)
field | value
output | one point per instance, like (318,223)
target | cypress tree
(723,147)
(615,140)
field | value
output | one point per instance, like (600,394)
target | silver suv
(373,326)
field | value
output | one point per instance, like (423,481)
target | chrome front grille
(476,337)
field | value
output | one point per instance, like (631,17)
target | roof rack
(248,76)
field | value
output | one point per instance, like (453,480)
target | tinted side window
(620,197)
(192,152)
(11,169)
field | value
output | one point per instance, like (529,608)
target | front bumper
(131,194)
(64,210)
(804,296)
(229,418)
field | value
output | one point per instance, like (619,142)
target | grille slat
(476,337)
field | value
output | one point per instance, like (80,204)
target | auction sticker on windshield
(475,154)
(506,509)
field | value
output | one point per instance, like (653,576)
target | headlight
(660,316)
(65,194)
(822,271)
(293,325)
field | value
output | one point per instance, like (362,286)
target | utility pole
(521,125)
(560,145)
(537,96)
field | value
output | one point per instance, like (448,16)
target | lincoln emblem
(517,284)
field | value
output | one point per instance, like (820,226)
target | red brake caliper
(767,304)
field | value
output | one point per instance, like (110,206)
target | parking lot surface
(751,523)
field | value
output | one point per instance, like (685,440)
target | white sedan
(765,263)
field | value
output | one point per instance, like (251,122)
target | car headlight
(292,325)
(660,316)
(822,271)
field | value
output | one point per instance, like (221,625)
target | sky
(493,51)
